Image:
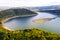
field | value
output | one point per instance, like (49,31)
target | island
(40,21)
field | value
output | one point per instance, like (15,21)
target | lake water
(26,22)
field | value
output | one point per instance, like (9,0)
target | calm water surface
(26,22)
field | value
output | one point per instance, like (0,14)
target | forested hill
(14,12)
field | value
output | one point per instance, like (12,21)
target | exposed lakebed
(27,22)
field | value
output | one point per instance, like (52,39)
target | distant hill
(53,9)
(56,7)
(15,12)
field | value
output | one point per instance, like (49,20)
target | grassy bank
(29,34)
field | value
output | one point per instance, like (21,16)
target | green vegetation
(15,12)
(28,34)
(0,23)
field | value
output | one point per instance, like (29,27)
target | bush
(29,34)
(0,22)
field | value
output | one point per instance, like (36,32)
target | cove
(21,23)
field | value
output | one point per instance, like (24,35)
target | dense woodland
(28,34)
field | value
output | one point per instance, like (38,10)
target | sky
(28,3)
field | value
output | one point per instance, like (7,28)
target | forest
(28,34)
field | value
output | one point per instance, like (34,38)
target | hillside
(15,12)
(28,34)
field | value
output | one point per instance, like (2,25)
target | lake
(21,23)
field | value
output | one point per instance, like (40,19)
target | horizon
(28,3)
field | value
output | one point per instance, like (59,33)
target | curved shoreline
(17,17)
(3,21)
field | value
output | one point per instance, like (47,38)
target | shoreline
(4,20)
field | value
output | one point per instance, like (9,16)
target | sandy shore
(40,21)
